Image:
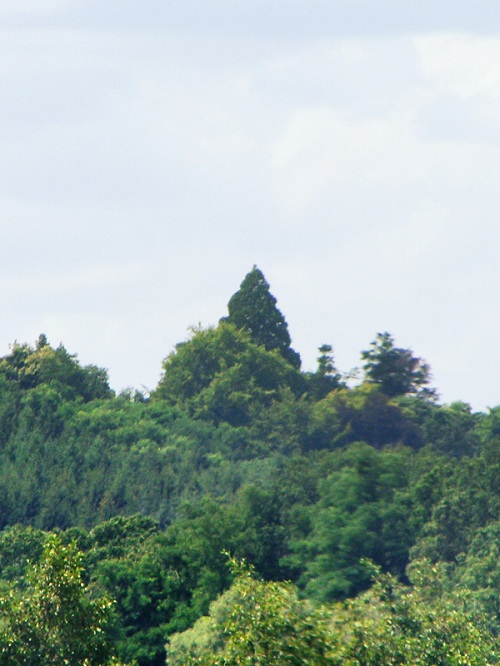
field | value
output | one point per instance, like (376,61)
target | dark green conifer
(253,308)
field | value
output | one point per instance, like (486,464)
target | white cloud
(322,152)
(144,172)
(29,8)
(88,278)
(464,65)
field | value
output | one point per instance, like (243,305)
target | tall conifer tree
(253,308)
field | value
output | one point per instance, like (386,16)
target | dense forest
(246,511)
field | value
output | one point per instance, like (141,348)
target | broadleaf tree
(52,620)
(256,623)
(221,374)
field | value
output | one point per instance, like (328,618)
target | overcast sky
(152,152)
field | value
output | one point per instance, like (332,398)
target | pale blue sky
(152,152)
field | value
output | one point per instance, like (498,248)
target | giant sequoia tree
(253,308)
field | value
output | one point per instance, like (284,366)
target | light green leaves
(51,620)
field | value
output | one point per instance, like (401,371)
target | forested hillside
(246,511)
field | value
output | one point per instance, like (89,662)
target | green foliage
(52,620)
(29,367)
(449,429)
(254,623)
(390,625)
(361,414)
(18,546)
(326,378)
(283,426)
(469,499)
(253,309)
(478,571)
(362,513)
(426,624)
(237,449)
(397,371)
(161,581)
(222,375)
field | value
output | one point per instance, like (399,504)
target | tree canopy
(253,309)
(254,623)
(29,367)
(223,374)
(51,620)
(115,509)
(396,370)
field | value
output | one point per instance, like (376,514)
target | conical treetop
(253,308)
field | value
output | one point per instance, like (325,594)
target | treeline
(374,501)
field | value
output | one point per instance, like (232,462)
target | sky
(152,152)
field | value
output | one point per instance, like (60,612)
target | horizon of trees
(349,493)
